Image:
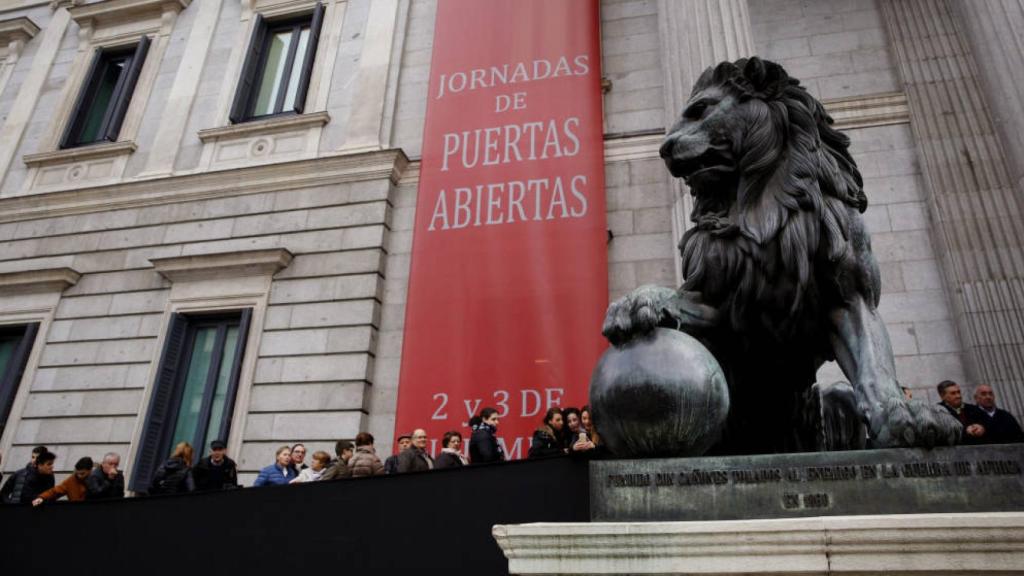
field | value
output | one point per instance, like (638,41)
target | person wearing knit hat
(73,486)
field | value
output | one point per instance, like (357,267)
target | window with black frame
(15,347)
(278,66)
(104,98)
(195,388)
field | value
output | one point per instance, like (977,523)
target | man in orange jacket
(73,486)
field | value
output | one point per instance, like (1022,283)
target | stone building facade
(305,220)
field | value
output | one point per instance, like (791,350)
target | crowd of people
(562,431)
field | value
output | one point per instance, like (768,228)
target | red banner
(509,277)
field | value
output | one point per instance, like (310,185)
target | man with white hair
(1000,427)
(106,481)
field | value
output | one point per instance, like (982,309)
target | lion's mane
(793,223)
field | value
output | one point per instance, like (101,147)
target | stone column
(976,217)
(994,30)
(695,34)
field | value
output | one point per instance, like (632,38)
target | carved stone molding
(44,280)
(81,153)
(111,10)
(262,127)
(81,166)
(906,544)
(223,265)
(333,169)
(868,111)
(17,30)
(263,141)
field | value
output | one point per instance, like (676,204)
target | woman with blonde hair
(175,475)
(313,473)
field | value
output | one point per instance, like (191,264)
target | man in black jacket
(106,481)
(483,444)
(216,471)
(1000,426)
(391,464)
(30,481)
(969,415)
(415,457)
(8,487)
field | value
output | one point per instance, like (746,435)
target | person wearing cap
(391,464)
(73,486)
(216,471)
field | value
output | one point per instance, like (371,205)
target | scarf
(458,454)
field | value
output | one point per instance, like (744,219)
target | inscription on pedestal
(961,479)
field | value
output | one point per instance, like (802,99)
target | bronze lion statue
(779,274)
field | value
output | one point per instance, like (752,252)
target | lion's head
(776,190)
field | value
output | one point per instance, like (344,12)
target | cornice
(331,169)
(17,29)
(868,111)
(43,280)
(223,265)
(270,125)
(90,152)
(107,10)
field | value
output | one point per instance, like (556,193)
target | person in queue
(339,468)
(391,464)
(451,451)
(31,481)
(280,472)
(365,461)
(315,472)
(106,482)
(73,487)
(8,487)
(415,457)
(216,471)
(547,439)
(588,439)
(969,415)
(299,457)
(1000,426)
(483,444)
(175,475)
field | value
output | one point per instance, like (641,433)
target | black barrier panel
(435,522)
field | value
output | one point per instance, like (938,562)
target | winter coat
(172,477)
(210,476)
(337,471)
(969,414)
(275,474)
(483,445)
(545,443)
(365,463)
(71,487)
(449,459)
(1001,428)
(100,487)
(412,459)
(309,475)
(25,485)
(391,464)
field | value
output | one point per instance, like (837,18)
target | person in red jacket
(73,486)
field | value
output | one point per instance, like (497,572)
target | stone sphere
(658,396)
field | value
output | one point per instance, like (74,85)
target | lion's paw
(913,423)
(636,313)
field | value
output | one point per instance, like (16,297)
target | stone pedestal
(916,544)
